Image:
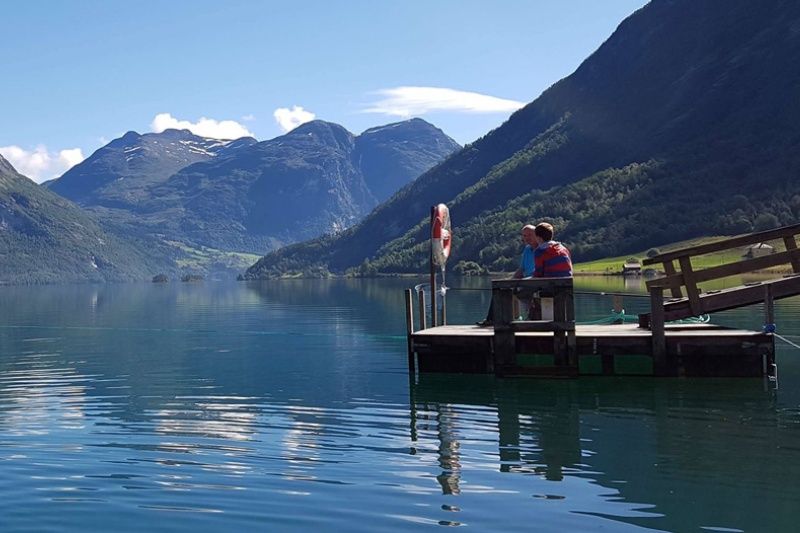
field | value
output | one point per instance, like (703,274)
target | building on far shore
(758,250)
(632,267)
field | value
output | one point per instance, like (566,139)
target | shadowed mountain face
(45,238)
(316,179)
(248,196)
(391,156)
(685,122)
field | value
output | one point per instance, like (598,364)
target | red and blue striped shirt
(552,260)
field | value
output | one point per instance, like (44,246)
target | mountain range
(685,122)
(248,196)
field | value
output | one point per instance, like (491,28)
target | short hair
(544,231)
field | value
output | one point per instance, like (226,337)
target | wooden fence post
(422,310)
(791,244)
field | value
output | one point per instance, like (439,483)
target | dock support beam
(421,309)
(769,307)
(657,330)
(505,350)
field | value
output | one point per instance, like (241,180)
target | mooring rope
(787,341)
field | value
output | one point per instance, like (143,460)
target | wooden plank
(676,280)
(532,284)
(700,349)
(470,332)
(691,286)
(541,325)
(725,244)
(730,269)
(736,297)
(791,244)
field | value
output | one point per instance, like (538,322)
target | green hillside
(613,265)
(46,239)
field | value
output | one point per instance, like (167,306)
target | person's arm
(538,263)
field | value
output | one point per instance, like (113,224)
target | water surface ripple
(286,406)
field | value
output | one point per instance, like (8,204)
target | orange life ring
(441,234)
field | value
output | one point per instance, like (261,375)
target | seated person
(526,265)
(551,259)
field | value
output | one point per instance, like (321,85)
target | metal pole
(412,367)
(444,301)
(434,307)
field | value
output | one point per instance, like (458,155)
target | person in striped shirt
(542,258)
(551,259)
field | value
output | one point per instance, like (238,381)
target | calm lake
(286,406)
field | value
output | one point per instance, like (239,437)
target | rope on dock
(787,341)
(590,293)
(623,317)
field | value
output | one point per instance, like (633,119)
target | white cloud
(289,119)
(40,164)
(71,157)
(205,127)
(249,118)
(408,101)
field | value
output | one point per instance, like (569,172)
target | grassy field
(202,258)
(613,265)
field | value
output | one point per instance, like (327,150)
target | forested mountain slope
(45,238)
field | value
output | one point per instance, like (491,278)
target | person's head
(529,235)
(543,232)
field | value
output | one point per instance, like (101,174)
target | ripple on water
(209,408)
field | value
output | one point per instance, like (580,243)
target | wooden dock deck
(624,349)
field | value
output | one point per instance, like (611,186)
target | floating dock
(558,347)
(610,350)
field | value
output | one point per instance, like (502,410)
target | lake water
(286,406)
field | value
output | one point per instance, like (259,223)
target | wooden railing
(689,300)
(562,323)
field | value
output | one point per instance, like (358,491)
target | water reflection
(211,407)
(653,445)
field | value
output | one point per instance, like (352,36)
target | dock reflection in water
(661,454)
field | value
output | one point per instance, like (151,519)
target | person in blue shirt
(527,261)
(526,265)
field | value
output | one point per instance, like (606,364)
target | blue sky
(78,74)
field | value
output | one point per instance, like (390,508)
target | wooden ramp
(687,299)
(724,299)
